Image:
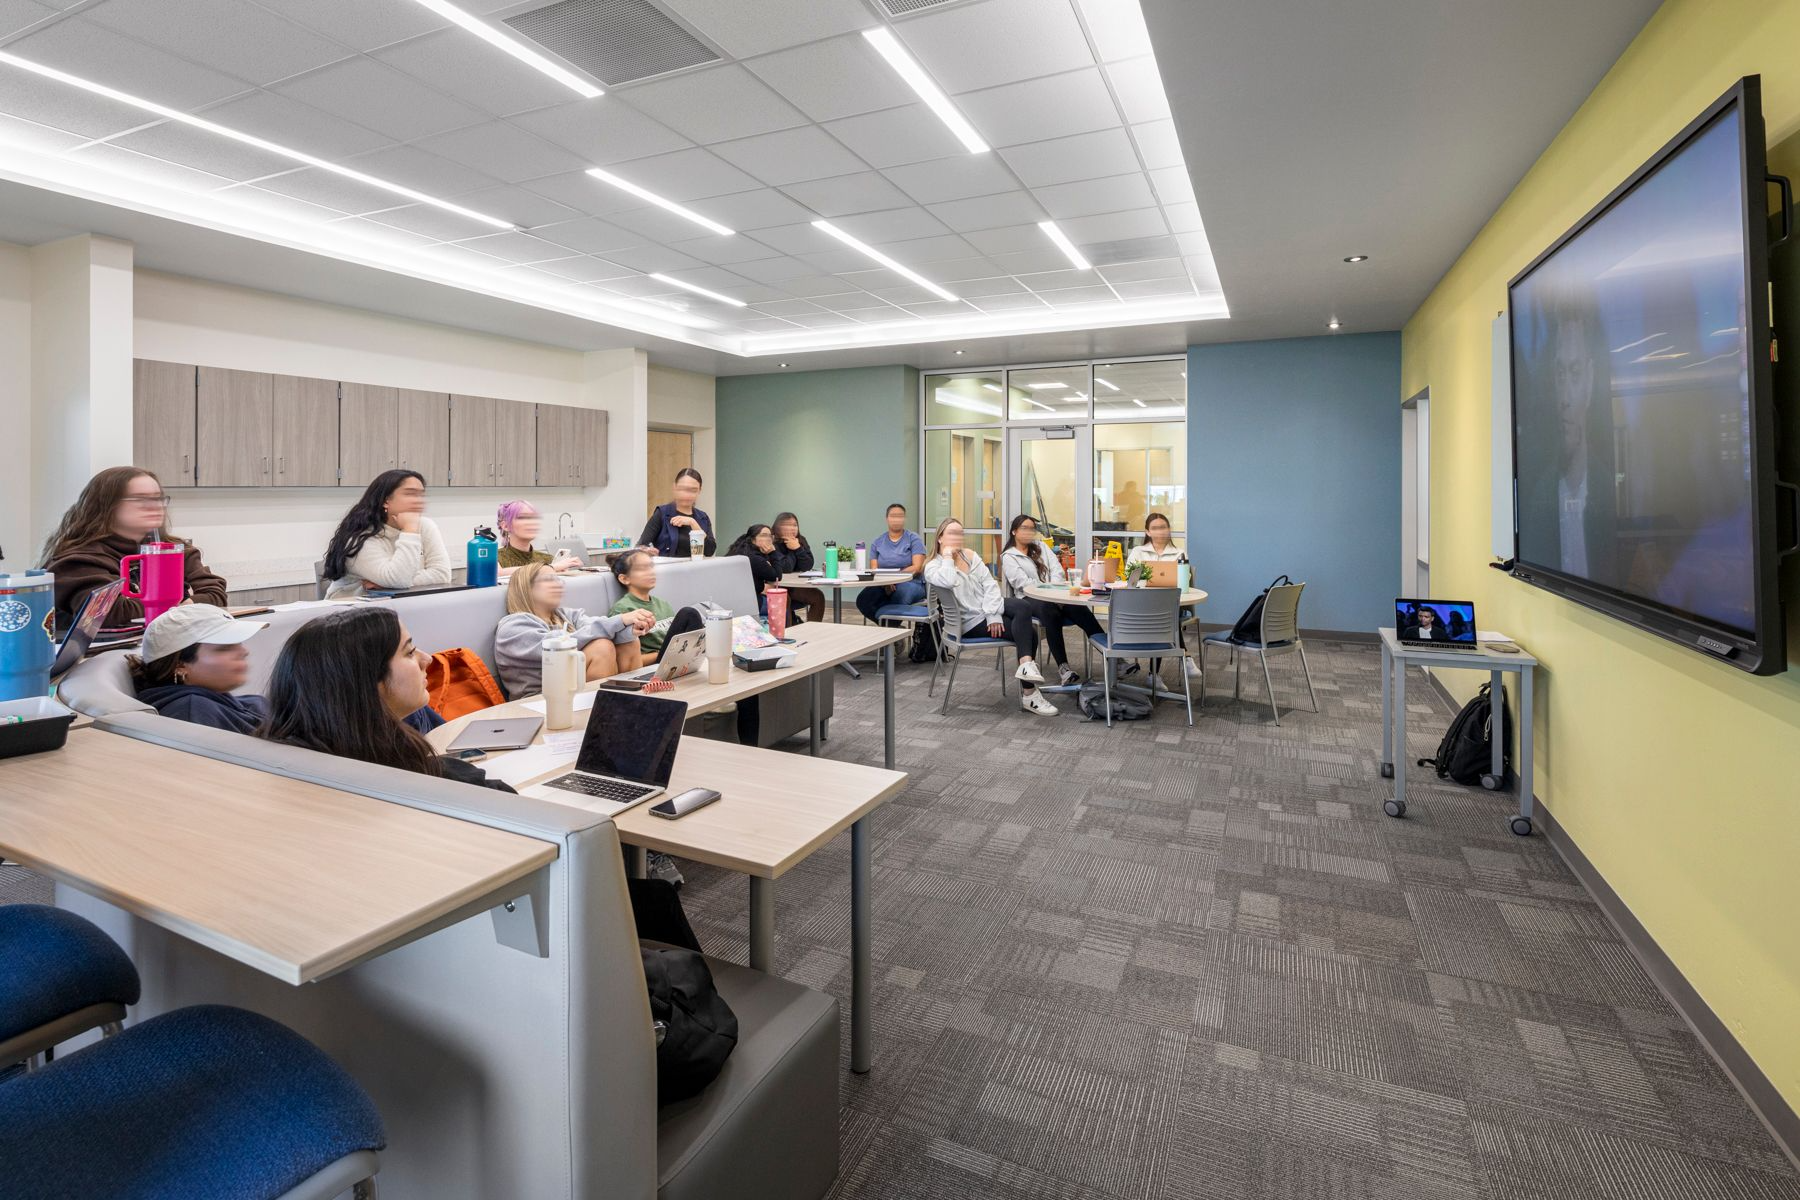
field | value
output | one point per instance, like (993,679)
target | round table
(1058,593)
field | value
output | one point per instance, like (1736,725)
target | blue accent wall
(1294,467)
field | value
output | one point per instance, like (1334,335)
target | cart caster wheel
(1387,770)
(1521,826)
(1490,782)
(1394,808)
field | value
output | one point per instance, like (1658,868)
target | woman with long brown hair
(955,567)
(120,509)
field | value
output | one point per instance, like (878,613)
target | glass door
(1050,473)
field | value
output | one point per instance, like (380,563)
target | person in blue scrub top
(897,549)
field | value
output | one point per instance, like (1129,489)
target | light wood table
(837,587)
(294,879)
(774,810)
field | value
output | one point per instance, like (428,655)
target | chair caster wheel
(1394,808)
(1521,826)
(1490,782)
(1387,770)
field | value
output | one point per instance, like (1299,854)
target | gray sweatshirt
(1020,572)
(519,644)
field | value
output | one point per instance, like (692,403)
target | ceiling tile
(579,269)
(795,239)
(655,225)
(1172,185)
(744,29)
(1149,268)
(1039,109)
(588,234)
(426,221)
(1008,303)
(373,94)
(334,191)
(987,212)
(1007,239)
(714,104)
(823,320)
(1069,297)
(515,247)
(955,178)
(1184,218)
(602,130)
(1150,289)
(1050,281)
(999,285)
(521,207)
(723,251)
(719,279)
(1193,243)
(934,309)
(269,203)
(773,270)
(503,152)
(787,308)
(358,23)
(790,156)
(838,260)
(963,268)
(1044,257)
(278,118)
(1114,227)
(583,193)
(1118,28)
(1131,249)
(227,35)
(654,258)
(149,170)
(908,294)
(851,302)
(1158,144)
(28,135)
(1063,160)
(943,248)
(896,136)
(684,175)
(815,285)
(204,151)
(765,325)
(81,47)
(881,316)
(879,229)
(865,191)
(32,99)
(382,233)
(1090,196)
(839,77)
(17,14)
(474,72)
(1002,41)
(1139,90)
(755,209)
(417,168)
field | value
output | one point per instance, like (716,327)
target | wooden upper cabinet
(590,447)
(162,420)
(555,438)
(472,447)
(515,445)
(368,432)
(424,434)
(232,447)
(304,431)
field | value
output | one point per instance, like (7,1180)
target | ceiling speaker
(901,8)
(615,41)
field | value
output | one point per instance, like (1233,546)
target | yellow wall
(1678,777)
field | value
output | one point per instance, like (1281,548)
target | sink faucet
(560,518)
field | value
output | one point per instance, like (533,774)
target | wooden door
(162,420)
(233,447)
(515,444)
(304,431)
(555,446)
(424,434)
(473,452)
(668,453)
(367,432)
(590,447)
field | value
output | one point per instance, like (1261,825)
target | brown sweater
(81,569)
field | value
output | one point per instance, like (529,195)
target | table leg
(1387,711)
(1527,690)
(762,924)
(636,862)
(837,618)
(812,723)
(1400,755)
(887,694)
(862,953)
(1497,764)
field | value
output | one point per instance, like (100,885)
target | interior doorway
(669,451)
(1052,472)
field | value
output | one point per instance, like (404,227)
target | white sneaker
(1028,673)
(1034,702)
(1068,676)
(1193,669)
(661,866)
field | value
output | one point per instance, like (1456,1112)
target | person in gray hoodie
(534,609)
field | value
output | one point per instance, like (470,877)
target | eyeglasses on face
(158,501)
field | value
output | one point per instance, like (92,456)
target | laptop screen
(632,737)
(87,625)
(1435,621)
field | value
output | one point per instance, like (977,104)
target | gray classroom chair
(1280,635)
(1143,623)
(574,545)
(948,611)
(321,585)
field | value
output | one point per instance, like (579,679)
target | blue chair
(1142,623)
(952,641)
(62,977)
(1278,634)
(203,1103)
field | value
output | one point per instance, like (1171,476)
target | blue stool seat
(902,612)
(58,967)
(203,1103)
(1224,638)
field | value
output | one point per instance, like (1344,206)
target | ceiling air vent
(615,41)
(901,8)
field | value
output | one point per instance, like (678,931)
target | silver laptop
(505,733)
(626,757)
(683,654)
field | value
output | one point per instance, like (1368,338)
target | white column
(619,382)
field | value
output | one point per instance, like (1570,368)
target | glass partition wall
(1089,450)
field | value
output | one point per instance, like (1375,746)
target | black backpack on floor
(1466,755)
(924,642)
(696,1031)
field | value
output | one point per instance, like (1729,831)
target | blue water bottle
(27,610)
(484,559)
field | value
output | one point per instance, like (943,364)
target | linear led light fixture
(1065,245)
(884,260)
(952,400)
(1044,387)
(514,47)
(1107,383)
(625,185)
(889,47)
(696,289)
(173,114)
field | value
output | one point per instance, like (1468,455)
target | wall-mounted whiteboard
(1502,440)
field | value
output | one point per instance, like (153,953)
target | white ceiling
(1312,130)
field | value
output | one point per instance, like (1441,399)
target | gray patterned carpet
(1183,964)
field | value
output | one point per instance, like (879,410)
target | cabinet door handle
(281,465)
(265,469)
(184,467)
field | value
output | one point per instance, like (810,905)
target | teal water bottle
(27,607)
(484,559)
(831,560)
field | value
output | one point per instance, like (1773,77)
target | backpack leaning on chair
(1466,755)
(1249,626)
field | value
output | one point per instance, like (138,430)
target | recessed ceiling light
(781,364)
(884,260)
(513,46)
(172,114)
(1356,258)
(625,185)
(1334,323)
(1041,387)
(1065,245)
(1106,383)
(958,353)
(698,291)
(888,46)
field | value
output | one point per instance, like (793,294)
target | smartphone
(682,805)
(618,684)
(468,755)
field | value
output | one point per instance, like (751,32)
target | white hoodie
(975,589)
(1020,572)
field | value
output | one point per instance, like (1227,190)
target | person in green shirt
(520,523)
(636,572)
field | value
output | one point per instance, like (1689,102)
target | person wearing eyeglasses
(120,509)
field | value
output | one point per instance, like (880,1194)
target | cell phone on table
(682,805)
(619,684)
(467,755)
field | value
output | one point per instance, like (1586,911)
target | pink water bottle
(777,598)
(162,577)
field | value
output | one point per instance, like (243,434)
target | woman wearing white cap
(191,658)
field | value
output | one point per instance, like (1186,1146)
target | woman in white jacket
(958,569)
(1158,544)
(386,542)
(1027,561)
(534,597)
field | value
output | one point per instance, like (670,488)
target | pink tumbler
(162,578)
(777,598)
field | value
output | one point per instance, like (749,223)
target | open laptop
(626,756)
(90,618)
(683,654)
(1436,624)
(1164,575)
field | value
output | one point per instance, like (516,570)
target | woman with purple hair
(520,523)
